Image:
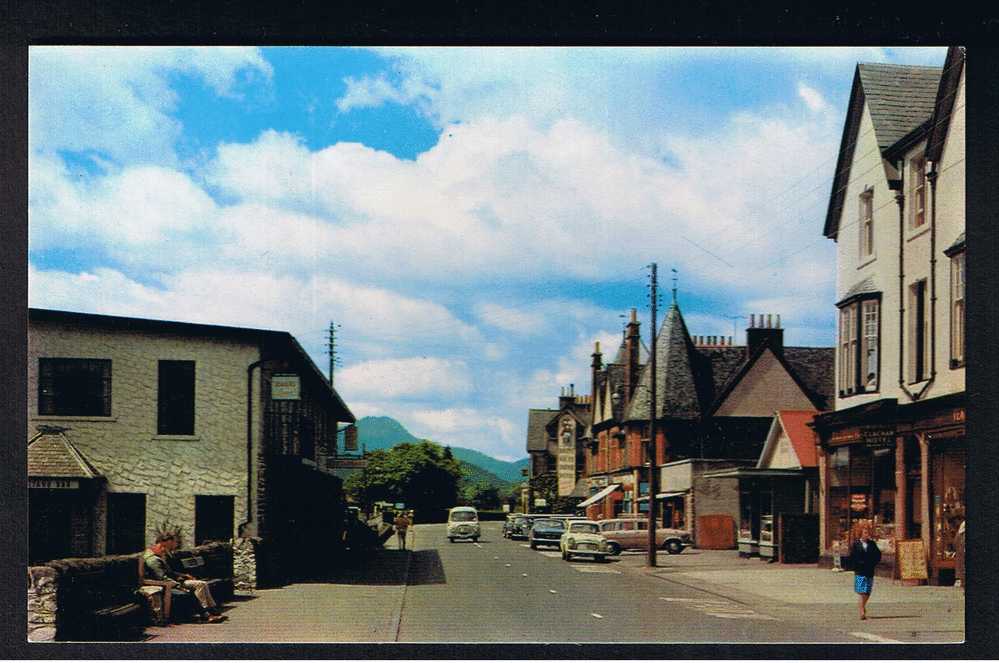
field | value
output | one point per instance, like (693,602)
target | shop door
(49,525)
(126,523)
(213,518)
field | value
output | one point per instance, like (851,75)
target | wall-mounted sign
(350,438)
(285,387)
(540,501)
(53,484)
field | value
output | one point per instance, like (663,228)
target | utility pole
(651,558)
(331,348)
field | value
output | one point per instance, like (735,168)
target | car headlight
(571,543)
(603,545)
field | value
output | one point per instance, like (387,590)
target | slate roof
(944,106)
(900,98)
(958,244)
(690,380)
(622,353)
(52,454)
(866,286)
(537,436)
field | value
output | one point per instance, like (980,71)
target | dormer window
(867,224)
(917,188)
(859,345)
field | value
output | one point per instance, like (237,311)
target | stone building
(894,450)
(556,441)
(216,430)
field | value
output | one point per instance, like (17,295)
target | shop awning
(598,496)
(754,473)
(662,496)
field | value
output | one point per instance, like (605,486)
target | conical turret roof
(676,390)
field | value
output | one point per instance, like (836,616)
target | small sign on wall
(285,387)
(53,484)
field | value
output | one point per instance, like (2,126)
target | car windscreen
(462,516)
(588,528)
(547,524)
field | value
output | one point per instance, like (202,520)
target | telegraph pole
(651,558)
(331,348)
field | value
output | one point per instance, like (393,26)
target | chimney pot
(597,348)
(778,321)
(572,389)
(730,340)
(634,315)
(752,320)
(770,321)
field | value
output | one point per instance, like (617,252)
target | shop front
(901,469)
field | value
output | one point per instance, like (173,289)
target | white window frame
(871,344)
(866,223)
(957,310)
(917,204)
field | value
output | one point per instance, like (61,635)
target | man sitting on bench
(159,569)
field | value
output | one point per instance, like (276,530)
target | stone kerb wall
(244,563)
(43,603)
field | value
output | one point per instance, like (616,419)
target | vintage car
(521,527)
(633,534)
(582,537)
(546,532)
(508,524)
(463,523)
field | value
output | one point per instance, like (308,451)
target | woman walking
(864,555)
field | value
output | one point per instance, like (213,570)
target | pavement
(497,590)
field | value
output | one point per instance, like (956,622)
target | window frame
(866,225)
(958,326)
(48,372)
(853,342)
(163,423)
(918,324)
(917,172)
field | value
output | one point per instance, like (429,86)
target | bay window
(859,345)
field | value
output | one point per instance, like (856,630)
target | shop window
(175,398)
(213,518)
(126,530)
(957,311)
(74,387)
(948,501)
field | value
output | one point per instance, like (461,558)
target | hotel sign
(53,484)
(881,436)
(285,387)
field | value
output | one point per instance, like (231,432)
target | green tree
(417,473)
(546,486)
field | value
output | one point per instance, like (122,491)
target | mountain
(385,432)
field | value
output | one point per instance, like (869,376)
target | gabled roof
(52,454)
(944,105)
(276,340)
(899,98)
(794,423)
(537,436)
(676,390)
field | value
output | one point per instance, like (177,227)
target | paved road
(501,590)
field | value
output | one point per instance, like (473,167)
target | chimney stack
(632,344)
(765,332)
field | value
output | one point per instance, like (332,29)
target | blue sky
(474,218)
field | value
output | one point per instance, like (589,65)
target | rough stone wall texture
(43,589)
(244,561)
(125,447)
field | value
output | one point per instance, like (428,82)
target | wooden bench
(212,563)
(101,602)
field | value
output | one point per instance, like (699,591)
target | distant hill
(376,433)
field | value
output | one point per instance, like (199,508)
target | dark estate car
(546,532)
(521,527)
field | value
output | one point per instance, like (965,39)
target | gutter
(249,439)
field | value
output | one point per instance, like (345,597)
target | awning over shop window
(662,496)
(599,496)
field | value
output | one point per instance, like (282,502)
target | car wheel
(615,548)
(534,546)
(565,555)
(475,539)
(451,539)
(603,559)
(674,547)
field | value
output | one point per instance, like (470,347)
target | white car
(463,523)
(582,537)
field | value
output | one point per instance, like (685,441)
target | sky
(473,219)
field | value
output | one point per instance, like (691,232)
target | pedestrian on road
(864,555)
(401,524)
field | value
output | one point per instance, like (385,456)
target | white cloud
(812,98)
(414,377)
(118,99)
(471,428)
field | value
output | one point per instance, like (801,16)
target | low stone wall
(244,564)
(43,603)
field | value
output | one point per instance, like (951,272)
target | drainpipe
(249,439)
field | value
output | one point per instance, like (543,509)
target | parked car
(546,532)
(633,534)
(582,537)
(521,527)
(508,524)
(463,523)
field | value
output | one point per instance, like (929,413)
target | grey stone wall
(125,447)
(244,562)
(43,604)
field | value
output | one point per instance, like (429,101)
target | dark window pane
(176,398)
(74,387)
(213,518)
(126,523)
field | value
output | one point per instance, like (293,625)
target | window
(126,525)
(917,331)
(213,518)
(860,346)
(176,398)
(74,387)
(957,310)
(867,224)
(917,206)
